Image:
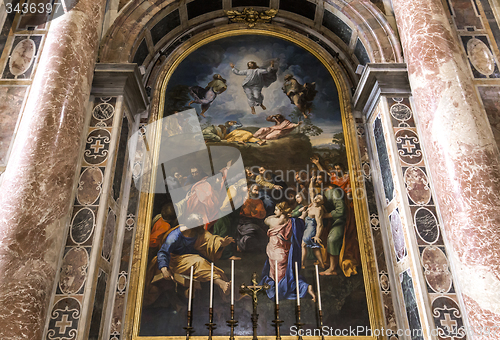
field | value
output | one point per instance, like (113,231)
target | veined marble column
(462,155)
(36,192)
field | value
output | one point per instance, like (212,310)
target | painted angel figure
(205,96)
(300,95)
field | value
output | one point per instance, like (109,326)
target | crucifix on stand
(253,291)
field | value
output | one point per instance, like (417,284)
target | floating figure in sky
(283,249)
(256,79)
(300,95)
(205,96)
(281,128)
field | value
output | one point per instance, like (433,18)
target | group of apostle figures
(258,213)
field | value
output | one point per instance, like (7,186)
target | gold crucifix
(253,291)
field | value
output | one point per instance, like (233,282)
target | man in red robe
(204,198)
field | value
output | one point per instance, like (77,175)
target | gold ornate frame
(139,260)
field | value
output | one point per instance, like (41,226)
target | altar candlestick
(211,285)
(276,280)
(190,289)
(319,292)
(232,282)
(297,283)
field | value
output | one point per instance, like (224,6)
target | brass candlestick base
(210,325)
(320,313)
(298,323)
(189,329)
(232,323)
(277,322)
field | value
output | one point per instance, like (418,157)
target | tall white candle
(190,289)
(276,281)
(297,282)
(211,285)
(232,282)
(317,283)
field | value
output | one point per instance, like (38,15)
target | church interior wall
(416,284)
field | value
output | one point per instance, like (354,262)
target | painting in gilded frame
(261,178)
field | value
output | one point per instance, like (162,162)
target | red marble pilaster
(36,191)
(462,155)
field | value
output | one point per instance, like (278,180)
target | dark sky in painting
(199,67)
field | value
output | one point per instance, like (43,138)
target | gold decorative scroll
(251,16)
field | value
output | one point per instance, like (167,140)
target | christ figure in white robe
(256,79)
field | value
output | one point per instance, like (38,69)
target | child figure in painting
(313,217)
(283,249)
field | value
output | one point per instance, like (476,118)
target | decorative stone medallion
(436,269)
(448,318)
(122,282)
(97,147)
(73,270)
(426,225)
(82,226)
(64,320)
(408,147)
(417,186)
(400,112)
(89,188)
(384,281)
(22,57)
(480,56)
(103,111)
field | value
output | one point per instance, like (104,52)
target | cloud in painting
(200,66)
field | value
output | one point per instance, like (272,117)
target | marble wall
(446,63)
(412,225)
(385,288)
(86,267)
(116,320)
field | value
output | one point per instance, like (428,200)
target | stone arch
(355,32)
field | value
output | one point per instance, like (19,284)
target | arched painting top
(327,61)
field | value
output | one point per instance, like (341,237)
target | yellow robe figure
(242,136)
